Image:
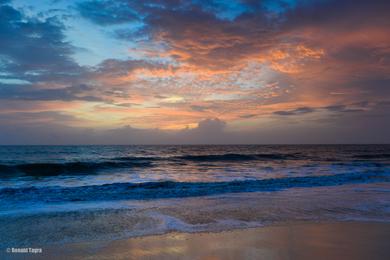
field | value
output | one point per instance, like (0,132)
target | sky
(194,72)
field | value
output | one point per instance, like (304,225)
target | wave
(238,157)
(171,189)
(53,169)
(373,156)
(218,157)
(85,167)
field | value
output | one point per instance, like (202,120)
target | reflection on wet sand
(348,240)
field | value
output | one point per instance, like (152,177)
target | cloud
(248,116)
(343,108)
(350,108)
(338,14)
(211,125)
(35,118)
(71,93)
(351,128)
(297,111)
(117,68)
(43,128)
(302,42)
(107,12)
(192,32)
(195,33)
(32,49)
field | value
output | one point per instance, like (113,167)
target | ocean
(60,194)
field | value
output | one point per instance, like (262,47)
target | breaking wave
(171,189)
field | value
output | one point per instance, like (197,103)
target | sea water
(57,194)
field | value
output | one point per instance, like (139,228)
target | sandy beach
(340,240)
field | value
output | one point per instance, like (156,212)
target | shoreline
(293,240)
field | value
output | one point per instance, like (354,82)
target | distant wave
(85,167)
(52,169)
(219,157)
(170,189)
(373,156)
(238,157)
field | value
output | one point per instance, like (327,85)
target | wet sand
(341,240)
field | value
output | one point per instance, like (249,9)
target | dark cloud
(25,92)
(248,116)
(32,48)
(338,14)
(354,107)
(35,118)
(113,67)
(297,111)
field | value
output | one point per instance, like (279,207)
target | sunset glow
(258,71)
